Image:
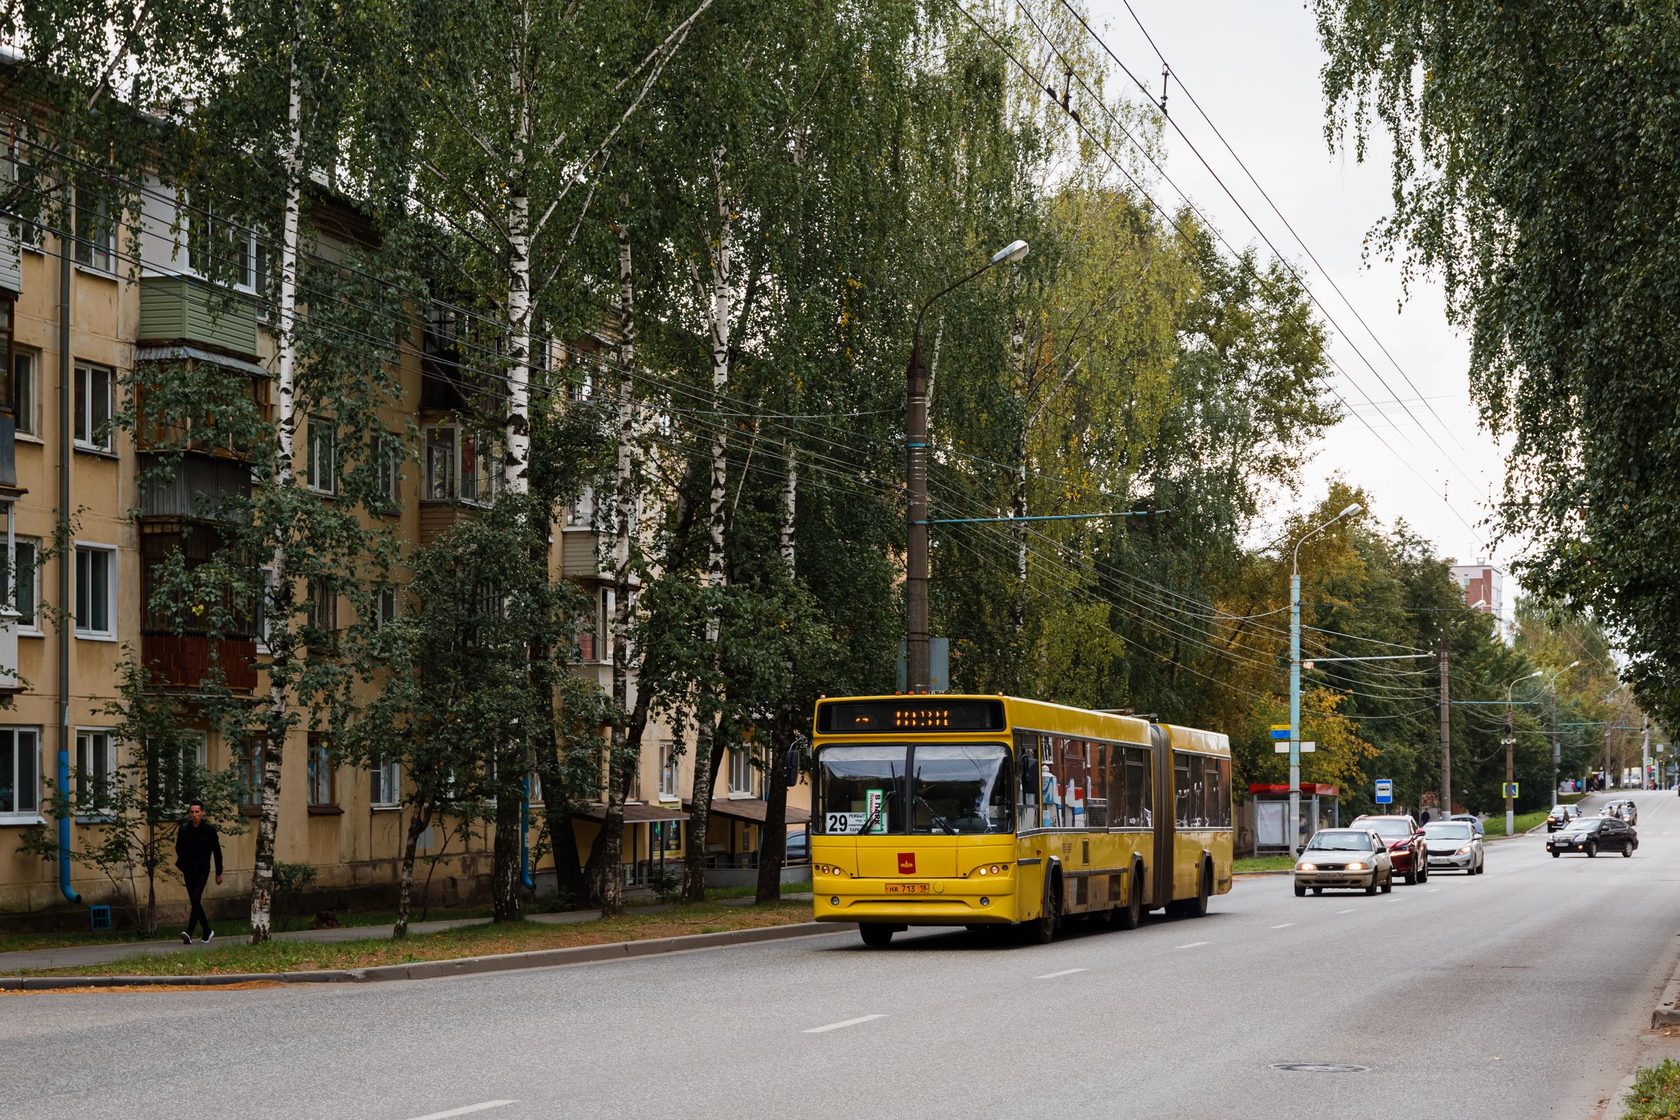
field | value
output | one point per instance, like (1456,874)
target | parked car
(1593,835)
(1453,846)
(1405,843)
(1560,816)
(798,847)
(1344,857)
(1470,819)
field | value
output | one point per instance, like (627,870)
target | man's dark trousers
(196,877)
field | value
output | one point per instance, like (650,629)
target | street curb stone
(433,970)
(1667,1013)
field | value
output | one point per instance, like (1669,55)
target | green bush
(290,881)
(1655,1094)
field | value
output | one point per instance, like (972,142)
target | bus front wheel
(1042,930)
(876,935)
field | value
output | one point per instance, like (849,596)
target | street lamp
(915,479)
(1295,677)
(1557,748)
(1510,752)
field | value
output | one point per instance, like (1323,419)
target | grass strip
(1495,823)
(1262,863)
(1655,1094)
(470,941)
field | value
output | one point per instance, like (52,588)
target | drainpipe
(525,879)
(65,559)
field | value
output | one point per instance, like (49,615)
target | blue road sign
(1385,791)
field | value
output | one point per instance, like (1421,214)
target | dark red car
(1405,842)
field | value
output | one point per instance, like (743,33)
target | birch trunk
(772,841)
(511,761)
(623,752)
(405,873)
(283,637)
(722,311)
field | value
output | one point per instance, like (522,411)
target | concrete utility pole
(917,669)
(1510,753)
(1446,736)
(1644,749)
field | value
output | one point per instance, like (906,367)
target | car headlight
(1464,851)
(1306,867)
(1356,865)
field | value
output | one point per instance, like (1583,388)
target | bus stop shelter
(1320,808)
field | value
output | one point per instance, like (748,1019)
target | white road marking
(1063,972)
(843,1023)
(1285,925)
(1349,910)
(463,1111)
(1193,944)
(1431,890)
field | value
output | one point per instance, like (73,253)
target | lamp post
(915,479)
(1557,748)
(1510,752)
(1295,678)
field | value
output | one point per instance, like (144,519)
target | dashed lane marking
(1193,945)
(464,1110)
(842,1023)
(1285,925)
(1063,972)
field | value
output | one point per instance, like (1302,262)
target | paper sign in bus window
(875,816)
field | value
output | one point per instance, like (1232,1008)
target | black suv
(1593,835)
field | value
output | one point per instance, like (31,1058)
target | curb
(1667,1013)
(433,970)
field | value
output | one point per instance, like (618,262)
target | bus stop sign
(1385,791)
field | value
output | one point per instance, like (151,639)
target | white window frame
(450,483)
(250,756)
(96,247)
(382,606)
(96,760)
(214,228)
(534,790)
(12,814)
(31,625)
(741,771)
(84,631)
(670,771)
(200,757)
(444,489)
(265,618)
(321,430)
(26,369)
(390,470)
(385,784)
(87,429)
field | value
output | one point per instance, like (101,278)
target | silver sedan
(1344,857)
(1454,846)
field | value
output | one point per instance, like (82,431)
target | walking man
(196,844)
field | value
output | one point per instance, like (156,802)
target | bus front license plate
(907,888)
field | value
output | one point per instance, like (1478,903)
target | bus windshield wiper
(937,819)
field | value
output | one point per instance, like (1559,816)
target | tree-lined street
(1522,992)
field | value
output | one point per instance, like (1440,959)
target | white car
(1344,857)
(1453,846)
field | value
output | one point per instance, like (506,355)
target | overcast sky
(1254,68)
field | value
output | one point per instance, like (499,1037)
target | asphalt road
(1522,993)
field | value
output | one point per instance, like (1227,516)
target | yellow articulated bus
(984,811)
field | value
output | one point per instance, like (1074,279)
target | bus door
(1161,875)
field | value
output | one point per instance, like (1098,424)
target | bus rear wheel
(1131,916)
(876,935)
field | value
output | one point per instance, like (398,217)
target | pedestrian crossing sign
(1510,789)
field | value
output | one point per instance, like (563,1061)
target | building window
(384,606)
(320,775)
(26,391)
(740,770)
(384,784)
(390,471)
(177,775)
(459,466)
(251,763)
(322,469)
(26,582)
(20,773)
(440,464)
(265,611)
(533,788)
(94,389)
(322,620)
(95,233)
(96,764)
(96,591)
(219,250)
(668,770)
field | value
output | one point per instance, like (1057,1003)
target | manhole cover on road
(1319,1067)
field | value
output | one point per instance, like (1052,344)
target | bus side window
(1096,798)
(1026,767)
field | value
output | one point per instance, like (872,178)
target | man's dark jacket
(195,845)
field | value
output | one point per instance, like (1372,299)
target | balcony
(182,309)
(10,683)
(185,660)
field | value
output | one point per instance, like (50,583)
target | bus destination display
(910,713)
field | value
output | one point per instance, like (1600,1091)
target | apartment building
(76,314)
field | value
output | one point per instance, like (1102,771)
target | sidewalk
(73,955)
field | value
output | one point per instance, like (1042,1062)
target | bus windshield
(938,789)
